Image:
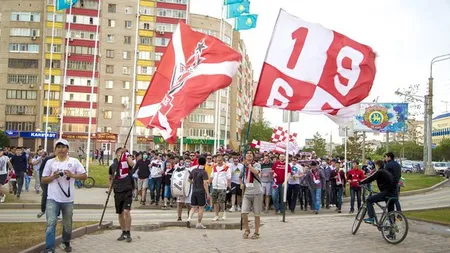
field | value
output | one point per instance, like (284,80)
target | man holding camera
(60,174)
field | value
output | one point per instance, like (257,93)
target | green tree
(260,131)
(354,148)
(409,150)
(319,145)
(442,151)
(4,139)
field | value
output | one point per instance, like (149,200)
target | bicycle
(88,183)
(389,223)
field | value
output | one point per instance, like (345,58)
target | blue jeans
(338,191)
(397,203)
(379,197)
(366,192)
(278,196)
(354,190)
(27,182)
(52,210)
(167,191)
(315,198)
(155,185)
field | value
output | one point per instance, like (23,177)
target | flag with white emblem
(193,66)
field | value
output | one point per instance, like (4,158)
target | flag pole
(50,78)
(182,137)
(345,147)
(286,165)
(136,54)
(66,60)
(91,102)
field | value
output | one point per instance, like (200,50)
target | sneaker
(224,216)
(216,218)
(2,200)
(128,238)
(238,209)
(339,211)
(316,212)
(351,211)
(232,209)
(179,219)
(292,212)
(66,247)
(369,220)
(278,212)
(207,208)
(39,215)
(121,237)
(188,223)
(399,218)
(266,211)
(49,251)
(200,226)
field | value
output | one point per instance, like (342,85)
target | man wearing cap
(60,174)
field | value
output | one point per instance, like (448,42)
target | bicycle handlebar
(365,186)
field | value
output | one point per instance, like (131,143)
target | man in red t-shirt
(354,176)
(278,170)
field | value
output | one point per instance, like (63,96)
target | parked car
(447,171)
(440,167)
(407,166)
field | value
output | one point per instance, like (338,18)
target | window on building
(23,63)
(147,10)
(143,85)
(146,40)
(125,100)
(128,10)
(127,40)
(53,111)
(22,79)
(26,16)
(126,85)
(139,99)
(20,109)
(110,38)
(107,114)
(126,55)
(109,53)
(24,32)
(111,23)
(81,65)
(57,32)
(56,48)
(110,69)
(20,126)
(158,56)
(111,8)
(161,42)
(126,70)
(57,17)
(128,24)
(55,64)
(145,55)
(23,48)
(21,94)
(109,84)
(146,26)
(54,95)
(108,99)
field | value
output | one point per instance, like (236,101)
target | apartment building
(21,63)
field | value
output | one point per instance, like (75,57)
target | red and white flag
(255,144)
(315,70)
(279,134)
(193,66)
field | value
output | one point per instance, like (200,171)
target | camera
(61,172)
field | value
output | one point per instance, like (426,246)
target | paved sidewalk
(302,234)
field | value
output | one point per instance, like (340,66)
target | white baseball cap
(62,141)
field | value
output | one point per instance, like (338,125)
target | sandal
(246,234)
(255,236)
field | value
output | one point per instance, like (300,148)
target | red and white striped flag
(255,144)
(279,134)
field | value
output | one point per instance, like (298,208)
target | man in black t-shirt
(123,185)
(200,193)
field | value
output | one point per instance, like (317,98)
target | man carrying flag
(123,185)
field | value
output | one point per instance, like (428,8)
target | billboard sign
(382,117)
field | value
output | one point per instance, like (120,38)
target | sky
(405,34)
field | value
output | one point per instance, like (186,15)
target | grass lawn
(100,174)
(413,181)
(20,236)
(439,215)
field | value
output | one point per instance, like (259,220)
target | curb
(181,224)
(38,206)
(425,190)
(75,234)
(429,221)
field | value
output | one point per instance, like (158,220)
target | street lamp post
(429,170)
(424,100)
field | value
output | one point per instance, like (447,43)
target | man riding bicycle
(387,187)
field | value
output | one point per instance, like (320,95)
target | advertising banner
(382,117)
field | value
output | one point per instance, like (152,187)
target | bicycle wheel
(89,182)
(394,227)
(359,218)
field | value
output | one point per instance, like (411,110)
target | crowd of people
(223,182)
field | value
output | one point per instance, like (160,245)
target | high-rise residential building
(21,64)
(32,62)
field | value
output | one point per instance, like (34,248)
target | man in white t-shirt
(155,180)
(220,179)
(234,172)
(4,163)
(60,174)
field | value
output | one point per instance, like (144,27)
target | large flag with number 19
(315,70)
